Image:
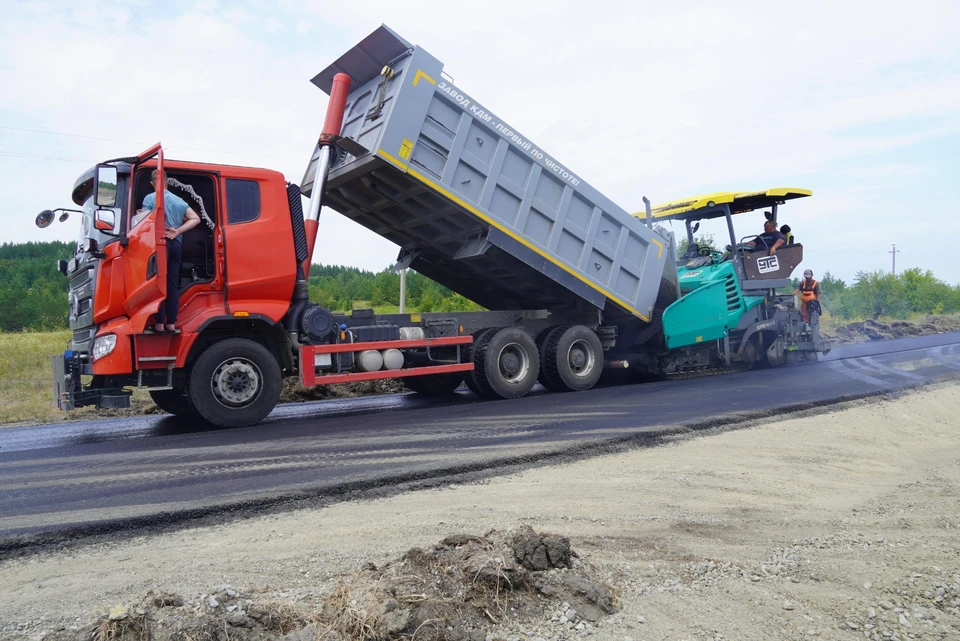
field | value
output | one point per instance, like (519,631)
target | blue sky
(858,101)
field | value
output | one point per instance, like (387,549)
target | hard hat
(808,273)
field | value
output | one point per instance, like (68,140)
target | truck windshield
(87,228)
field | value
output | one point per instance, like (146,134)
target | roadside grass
(26,392)
(26,386)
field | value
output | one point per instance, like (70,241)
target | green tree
(877,294)
(33,294)
(705,241)
(923,291)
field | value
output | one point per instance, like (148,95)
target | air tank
(369,360)
(392,358)
(411,333)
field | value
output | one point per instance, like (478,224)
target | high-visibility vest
(789,237)
(807,294)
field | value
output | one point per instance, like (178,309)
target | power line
(60,133)
(136,142)
(42,157)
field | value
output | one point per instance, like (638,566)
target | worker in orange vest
(809,290)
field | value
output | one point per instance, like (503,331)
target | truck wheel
(508,363)
(434,384)
(575,358)
(173,402)
(236,382)
(543,340)
(472,379)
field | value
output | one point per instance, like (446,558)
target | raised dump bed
(474,204)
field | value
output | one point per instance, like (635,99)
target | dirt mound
(465,588)
(872,330)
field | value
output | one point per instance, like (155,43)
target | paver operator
(770,240)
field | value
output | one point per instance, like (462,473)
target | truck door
(261,260)
(145,260)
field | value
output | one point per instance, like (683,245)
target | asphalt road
(75,479)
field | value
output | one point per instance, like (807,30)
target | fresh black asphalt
(72,479)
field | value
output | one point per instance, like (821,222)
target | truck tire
(507,363)
(473,381)
(235,383)
(543,340)
(574,358)
(434,384)
(173,402)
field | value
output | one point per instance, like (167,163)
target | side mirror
(106,186)
(104,220)
(44,219)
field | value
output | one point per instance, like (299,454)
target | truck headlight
(104,345)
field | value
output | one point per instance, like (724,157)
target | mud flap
(65,382)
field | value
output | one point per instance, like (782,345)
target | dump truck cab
(117,277)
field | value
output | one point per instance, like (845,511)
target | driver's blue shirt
(767,239)
(174,208)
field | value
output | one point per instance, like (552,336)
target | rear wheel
(543,340)
(507,363)
(434,384)
(235,382)
(574,358)
(472,379)
(173,402)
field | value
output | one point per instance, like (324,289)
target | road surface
(75,479)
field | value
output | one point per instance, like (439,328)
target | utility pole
(894,251)
(403,290)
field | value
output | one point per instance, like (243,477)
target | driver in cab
(180,218)
(770,240)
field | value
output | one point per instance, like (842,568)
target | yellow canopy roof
(739,201)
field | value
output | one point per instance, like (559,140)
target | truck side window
(243,200)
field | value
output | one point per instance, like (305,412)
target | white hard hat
(808,273)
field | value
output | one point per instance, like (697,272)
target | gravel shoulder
(841,525)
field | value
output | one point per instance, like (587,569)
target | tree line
(33,294)
(878,293)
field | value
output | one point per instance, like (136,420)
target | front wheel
(235,383)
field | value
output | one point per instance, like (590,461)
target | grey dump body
(474,204)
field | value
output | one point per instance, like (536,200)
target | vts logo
(767,264)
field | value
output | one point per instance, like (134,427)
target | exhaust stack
(332,125)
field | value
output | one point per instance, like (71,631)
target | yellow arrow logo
(420,74)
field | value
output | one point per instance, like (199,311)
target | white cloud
(653,99)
